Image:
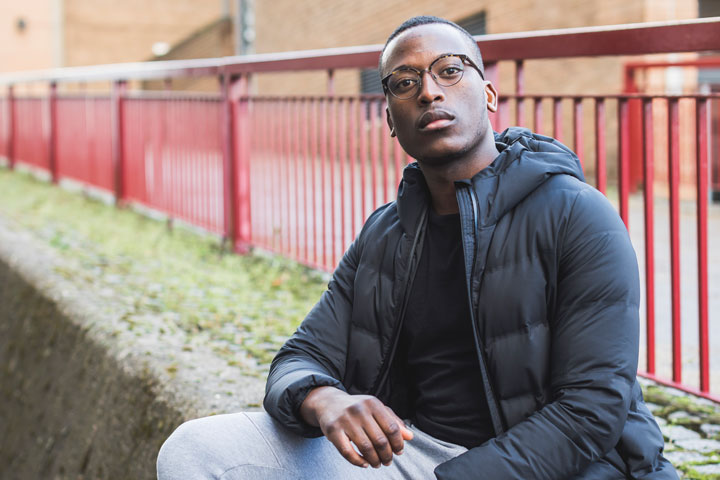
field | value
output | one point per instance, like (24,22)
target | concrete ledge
(82,396)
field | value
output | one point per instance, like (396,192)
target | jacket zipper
(489,394)
(412,269)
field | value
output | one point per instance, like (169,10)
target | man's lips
(434,119)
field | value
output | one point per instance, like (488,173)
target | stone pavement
(691,427)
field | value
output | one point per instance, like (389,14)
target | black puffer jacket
(553,282)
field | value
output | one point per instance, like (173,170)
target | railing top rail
(695,35)
(701,62)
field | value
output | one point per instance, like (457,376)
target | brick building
(284,25)
(40,34)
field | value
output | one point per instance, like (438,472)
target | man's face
(457,114)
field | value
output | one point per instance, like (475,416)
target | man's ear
(390,122)
(491,97)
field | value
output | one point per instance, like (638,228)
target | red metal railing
(633,85)
(4,127)
(314,184)
(698,122)
(31,131)
(298,175)
(83,143)
(172,156)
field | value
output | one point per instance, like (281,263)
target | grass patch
(250,302)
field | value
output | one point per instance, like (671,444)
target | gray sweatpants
(254,446)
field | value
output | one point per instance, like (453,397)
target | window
(475,24)
(370,81)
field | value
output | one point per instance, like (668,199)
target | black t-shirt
(438,345)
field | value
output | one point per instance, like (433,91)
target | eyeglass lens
(446,71)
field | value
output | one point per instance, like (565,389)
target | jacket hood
(526,161)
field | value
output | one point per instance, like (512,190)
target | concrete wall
(82,396)
(70,410)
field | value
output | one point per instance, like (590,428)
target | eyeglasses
(447,70)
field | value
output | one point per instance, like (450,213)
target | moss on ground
(250,303)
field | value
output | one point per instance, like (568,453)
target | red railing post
(624,159)
(600,152)
(519,92)
(11,126)
(243,230)
(648,196)
(313,184)
(228,163)
(332,158)
(52,133)
(117,113)
(236,187)
(557,118)
(537,115)
(701,128)
(294,158)
(353,160)
(578,130)
(674,177)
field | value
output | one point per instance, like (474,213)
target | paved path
(691,427)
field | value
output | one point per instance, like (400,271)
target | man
(493,306)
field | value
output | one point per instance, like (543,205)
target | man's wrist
(314,403)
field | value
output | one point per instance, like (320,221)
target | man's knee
(221,446)
(189,447)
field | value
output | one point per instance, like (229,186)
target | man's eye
(404,84)
(450,71)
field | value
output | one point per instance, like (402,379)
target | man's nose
(430,91)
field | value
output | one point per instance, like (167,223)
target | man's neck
(441,179)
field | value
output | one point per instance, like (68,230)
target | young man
(493,306)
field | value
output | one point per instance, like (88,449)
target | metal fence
(298,175)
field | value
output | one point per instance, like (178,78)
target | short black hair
(428,20)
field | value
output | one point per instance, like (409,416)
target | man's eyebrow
(405,67)
(401,67)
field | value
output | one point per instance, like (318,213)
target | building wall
(108,31)
(30,48)
(214,40)
(349,22)
(88,32)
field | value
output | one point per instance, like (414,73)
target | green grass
(184,278)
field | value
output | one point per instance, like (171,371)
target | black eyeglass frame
(421,73)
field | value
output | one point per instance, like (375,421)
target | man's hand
(361,419)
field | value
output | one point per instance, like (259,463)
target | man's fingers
(363,430)
(407,434)
(390,425)
(380,440)
(343,445)
(365,445)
